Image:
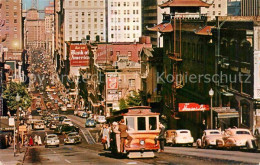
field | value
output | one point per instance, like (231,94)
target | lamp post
(17,98)
(211,94)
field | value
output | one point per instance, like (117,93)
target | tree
(122,104)
(10,96)
(134,99)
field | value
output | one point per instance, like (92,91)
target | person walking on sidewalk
(161,137)
(39,140)
(30,141)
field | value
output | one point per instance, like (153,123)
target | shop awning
(225,112)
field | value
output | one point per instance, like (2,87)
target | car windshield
(242,132)
(52,136)
(214,132)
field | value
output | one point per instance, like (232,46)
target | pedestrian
(25,140)
(161,137)
(106,136)
(31,141)
(124,136)
(35,139)
(39,140)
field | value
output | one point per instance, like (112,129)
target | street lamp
(17,98)
(211,94)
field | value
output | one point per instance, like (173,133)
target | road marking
(131,163)
(67,161)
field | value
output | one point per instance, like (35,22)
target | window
(213,12)
(130,123)
(15,28)
(7,7)
(219,13)
(141,123)
(76,3)
(70,3)
(152,123)
(83,14)
(7,14)
(95,19)
(15,7)
(219,5)
(70,26)
(15,20)
(131,82)
(112,35)
(7,21)
(82,3)
(76,14)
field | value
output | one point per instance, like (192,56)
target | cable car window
(152,123)
(141,123)
(130,123)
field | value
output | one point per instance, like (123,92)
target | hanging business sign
(1,106)
(79,55)
(112,82)
(191,107)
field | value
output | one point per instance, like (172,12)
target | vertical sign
(256,74)
(1,106)
(112,87)
(79,55)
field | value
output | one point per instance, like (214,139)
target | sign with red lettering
(49,10)
(112,83)
(189,107)
(79,55)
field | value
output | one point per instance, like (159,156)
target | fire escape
(176,58)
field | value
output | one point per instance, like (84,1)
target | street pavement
(7,156)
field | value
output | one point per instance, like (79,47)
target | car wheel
(46,146)
(58,145)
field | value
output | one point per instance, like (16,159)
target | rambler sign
(189,107)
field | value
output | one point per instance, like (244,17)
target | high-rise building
(250,7)
(34,29)
(234,7)
(124,20)
(217,8)
(10,13)
(85,18)
(152,15)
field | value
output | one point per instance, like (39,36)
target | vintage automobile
(38,125)
(51,140)
(63,108)
(67,122)
(179,137)
(90,123)
(53,125)
(209,138)
(237,138)
(65,129)
(73,138)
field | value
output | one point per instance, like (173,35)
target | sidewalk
(7,156)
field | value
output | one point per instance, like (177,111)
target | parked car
(62,118)
(237,138)
(101,119)
(90,123)
(69,106)
(73,138)
(67,122)
(179,137)
(53,125)
(52,140)
(209,138)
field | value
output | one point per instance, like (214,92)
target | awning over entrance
(225,112)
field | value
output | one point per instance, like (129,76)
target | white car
(209,138)
(69,106)
(101,119)
(67,121)
(182,137)
(51,140)
(63,109)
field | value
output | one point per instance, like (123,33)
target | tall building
(250,7)
(152,15)
(34,29)
(217,8)
(49,29)
(10,13)
(85,18)
(234,7)
(124,20)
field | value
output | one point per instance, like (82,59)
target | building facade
(124,20)
(35,29)
(85,18)
(234,8)
(152,15)
(217,8)
(250,7)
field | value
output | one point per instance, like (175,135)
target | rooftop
(184,3)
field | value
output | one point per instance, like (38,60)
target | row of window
(125,20)
(89,20)
(71,14)
(83,26)
(7,14)
(78,38)
(7,7)
(77,3)
(83,32)
(125,12)
(125,28)
(118,36)
(118,4)
(7,28)
(11,0)
(8,21)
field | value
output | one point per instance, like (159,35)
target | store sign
(189,107)
(79,55)
(49,10)
(112,95)
(112,82)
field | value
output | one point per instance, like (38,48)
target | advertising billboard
(112,95)
(192,107)
(112,82)
(79,55)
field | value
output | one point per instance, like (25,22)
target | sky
(42,4)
